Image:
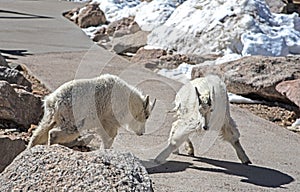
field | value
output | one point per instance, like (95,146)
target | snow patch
(118,9)
(245,27)
(154,14)
(182,73)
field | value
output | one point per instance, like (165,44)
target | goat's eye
(146,116)
(211,110)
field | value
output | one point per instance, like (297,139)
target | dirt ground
(276,114)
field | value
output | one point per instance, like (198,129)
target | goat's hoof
(247,162)
(191,154)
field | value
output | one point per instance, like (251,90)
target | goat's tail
(40,135)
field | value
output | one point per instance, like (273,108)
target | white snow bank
(118,9)
(154,14)
(148,15)
(233,98)
(245,27)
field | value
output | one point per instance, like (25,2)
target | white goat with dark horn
(202,105)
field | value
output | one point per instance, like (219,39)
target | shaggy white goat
(105,102)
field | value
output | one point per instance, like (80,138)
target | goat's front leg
(107,142)
(61,136)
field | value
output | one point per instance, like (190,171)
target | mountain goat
(105,103)
(202,104)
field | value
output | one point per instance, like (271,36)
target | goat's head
(205,107)
(140,110)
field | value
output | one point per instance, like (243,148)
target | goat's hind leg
(189,147)
(164,154)
(40,135)
(240,152)
(177,137)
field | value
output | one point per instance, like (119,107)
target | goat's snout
(205,127)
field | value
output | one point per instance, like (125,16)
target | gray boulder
(3,61)
(57,168)
(291,90)
(147,54)
(129,43)
(159,58)
(292,6)
(89,15)
(13,76)
(255,76)
(9,149)
(124,26)
(19,106)
(276,6)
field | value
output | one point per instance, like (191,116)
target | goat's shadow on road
(256,175)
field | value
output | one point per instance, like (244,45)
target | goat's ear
(198,96)
(146,102)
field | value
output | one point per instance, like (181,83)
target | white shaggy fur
(202,104)
(106,103)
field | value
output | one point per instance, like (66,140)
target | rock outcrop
(276,6)
(116,29)
(13,76)
(90,15)
(10,148)
(129,43)
(124,26)
(19,106)
(57,168)
(3,61)
(159,58)
(255,76)
(292,6)
(291,90)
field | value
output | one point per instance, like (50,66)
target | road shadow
(256,175)
(20,15)
(9,54)
(168,167)
(252,174)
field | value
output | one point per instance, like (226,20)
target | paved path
(64,54)
(37,26)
